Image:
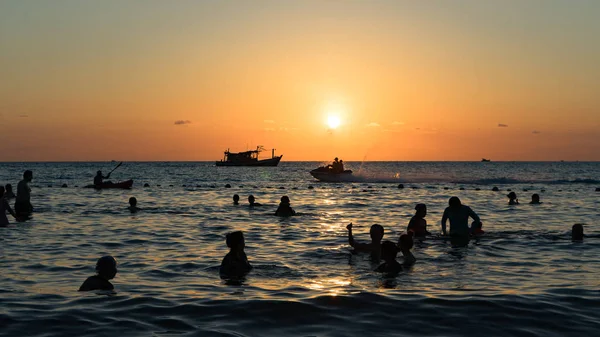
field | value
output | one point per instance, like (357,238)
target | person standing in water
(4,207)
(284,208)
(106,269)
(8,192)
(458,214)
(535,199)
(512,198)
(418,224)
(23,206)
(374,247)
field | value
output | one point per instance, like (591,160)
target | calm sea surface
(524,278)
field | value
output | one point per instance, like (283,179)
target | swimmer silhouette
(106,269)
(535,199)
(374,247)
(390,266)
(251,201)
(8,192)
(284,208)
(235,263)
(133,205)
(5,207)
(405,244)
(418,224)
(577,232)
(512,198)
(23,207)
(458,214)
(236,199)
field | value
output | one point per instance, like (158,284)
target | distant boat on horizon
(483,160)
(248,158)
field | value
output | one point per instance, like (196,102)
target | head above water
(99,173)
(454,202)
(251,199)
(285,200)
(512,195)
(28,175)
(107,267)
(535,198)
(236,198)
(376,232)
(8,188)
(235,240)
(421,209)
(133,201)
(577,232)
(406,241)
(389,251)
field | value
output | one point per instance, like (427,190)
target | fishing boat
(327,174)
(248,158)
(120,185)
(483,160)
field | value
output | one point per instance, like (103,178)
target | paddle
(121,163)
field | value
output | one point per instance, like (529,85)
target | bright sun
(333,121)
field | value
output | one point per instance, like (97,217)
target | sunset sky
(408,80)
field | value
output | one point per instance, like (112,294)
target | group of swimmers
(235,264)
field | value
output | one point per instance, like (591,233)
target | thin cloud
(536,132)
(373,125)
(397,123)
(182,122)
(269,121)
(23,116)
(502,125)
(269,129)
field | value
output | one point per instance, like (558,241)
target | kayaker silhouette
(99,179)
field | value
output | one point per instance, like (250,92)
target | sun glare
(333,121)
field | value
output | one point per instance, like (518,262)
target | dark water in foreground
(525,278)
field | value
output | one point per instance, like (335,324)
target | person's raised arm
(350,236)
(444,219)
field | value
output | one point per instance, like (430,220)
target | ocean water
(525,277)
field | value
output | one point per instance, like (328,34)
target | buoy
(525,190)
(446,188)
(509,190)
(146,185)
(310,187)
(157,185)
(597,189)
(170,185)
(227,186)
(478,189)
(543,191)
(401,186)
(462,188)
(364,190)
(414,187)
(183,185)
(384,187)
(495,189)
(64,185)
(281,188)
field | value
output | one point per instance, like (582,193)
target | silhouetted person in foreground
(390,266)
(235,263)
(458,214)
(577,232)
(5,207)
(8,192)
(374,247)
(106,269)
(476,228)
(405,244)
(23,207)
(251,201)
(236,199)
(512,198)
(284,208)
(535,199)
(99,179)
(418,224)
(133,205)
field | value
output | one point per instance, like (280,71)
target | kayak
(327,175)
(123,185)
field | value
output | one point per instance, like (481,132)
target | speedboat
(326,174)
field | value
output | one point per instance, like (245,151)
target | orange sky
(409,81)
